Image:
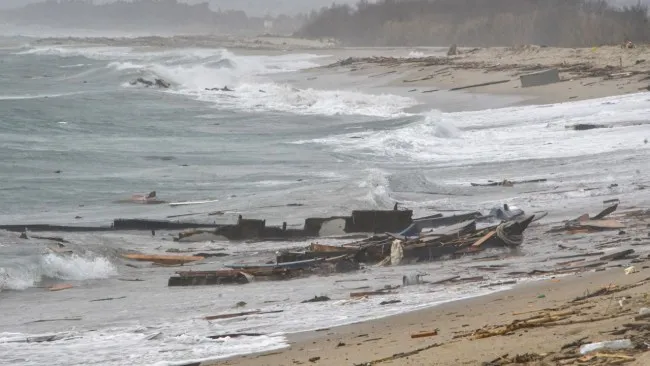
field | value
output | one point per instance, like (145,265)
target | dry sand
(584,73)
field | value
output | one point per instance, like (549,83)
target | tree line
(567,23)
(147,14)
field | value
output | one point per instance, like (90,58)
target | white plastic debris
(630,270)
(606,345)
(396,252)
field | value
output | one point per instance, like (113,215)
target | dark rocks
(160,83)
(225,89)
(586,126)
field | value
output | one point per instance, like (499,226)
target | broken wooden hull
(229,276)
(314,247)
(287,265)
(168,260)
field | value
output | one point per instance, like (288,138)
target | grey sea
(291,140)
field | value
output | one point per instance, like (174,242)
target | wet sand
(585,74)
(382,341)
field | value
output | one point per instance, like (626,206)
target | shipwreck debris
(245,313)
(316,299)
(540,78)
(162,259)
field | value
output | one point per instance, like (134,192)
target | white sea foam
(192,71)
(36,96)
(284,98)
(185,340)
(20,276)
(378,190)
(529,132)
(136,346)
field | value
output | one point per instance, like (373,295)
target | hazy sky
(261,7)
(252,7)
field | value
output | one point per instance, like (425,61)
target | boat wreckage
(411,241)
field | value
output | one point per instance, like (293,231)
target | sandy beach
(584,73)
(544,320)
(389,341)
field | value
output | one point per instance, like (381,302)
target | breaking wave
(192,71)
(29,273)
(508,134)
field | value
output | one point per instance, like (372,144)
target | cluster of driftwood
(456,236)
(633,329)
(587,224)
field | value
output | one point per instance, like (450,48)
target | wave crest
(73,267)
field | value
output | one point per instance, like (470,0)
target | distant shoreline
(585,73)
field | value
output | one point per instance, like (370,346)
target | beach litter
(606,345)
(424,334)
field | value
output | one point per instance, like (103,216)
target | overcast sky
(252,7)
(261,7)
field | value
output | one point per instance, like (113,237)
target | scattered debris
(56,320)
(60,287)
(109,299)
(317,299)
(481,84)
(540,78)
(424,334)
(388,302)
(507,183)
(607,345)
(235,315)
(617,255)
(162,259)
(585,126)
(235,335)
(398,355)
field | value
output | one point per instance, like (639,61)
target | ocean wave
(37,96)
(160,346)
(508,134)
(192,72)
(377,186)
(285,98)
(20,276)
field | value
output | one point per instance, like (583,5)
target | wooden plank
(234,315)
(617,255)
(479,85)
(370,293)
(60,287)
(483,239)
(162,259)
(602,224)
(605,212)
(424,334)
